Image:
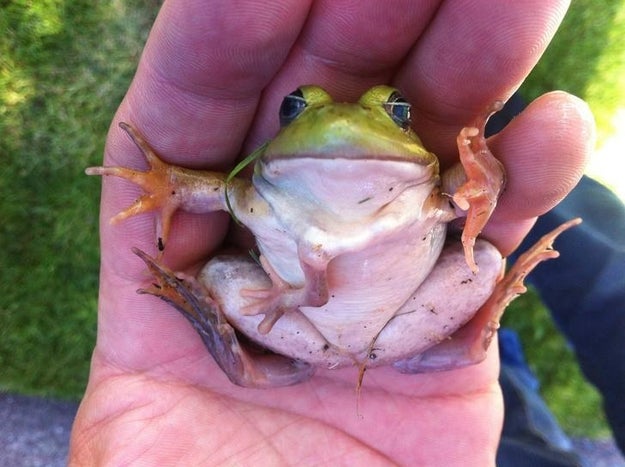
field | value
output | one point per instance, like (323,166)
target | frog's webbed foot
(280,298)
(157,182)
(468,345)
(167,188)
(244,365)
(485,179)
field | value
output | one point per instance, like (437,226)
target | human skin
(207,90)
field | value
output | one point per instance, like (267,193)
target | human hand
(207,89)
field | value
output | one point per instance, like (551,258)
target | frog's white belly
(367,288)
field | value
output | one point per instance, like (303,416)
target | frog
(366,253)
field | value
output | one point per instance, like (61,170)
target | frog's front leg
(243,365)
(476,183)
(169,188)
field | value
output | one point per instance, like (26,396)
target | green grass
(64,67)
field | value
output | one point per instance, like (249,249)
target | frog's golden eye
(292,105)
(398,109)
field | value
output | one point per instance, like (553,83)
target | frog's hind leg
(468,345)
(243,365)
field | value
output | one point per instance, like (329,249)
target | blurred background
(64,67)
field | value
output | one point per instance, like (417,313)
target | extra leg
(478,188)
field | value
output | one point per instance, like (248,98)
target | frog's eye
(398,109)
(292,105)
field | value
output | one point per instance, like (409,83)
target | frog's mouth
(347,186)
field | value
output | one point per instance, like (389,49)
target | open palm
(206,91)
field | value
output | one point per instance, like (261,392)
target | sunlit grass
(64,67)
(606,92)
(608,164)
(606,95)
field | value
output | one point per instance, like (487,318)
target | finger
(204,67)
(472,54)
(544,151)
(345,47)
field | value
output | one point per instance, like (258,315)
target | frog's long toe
(243,365)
